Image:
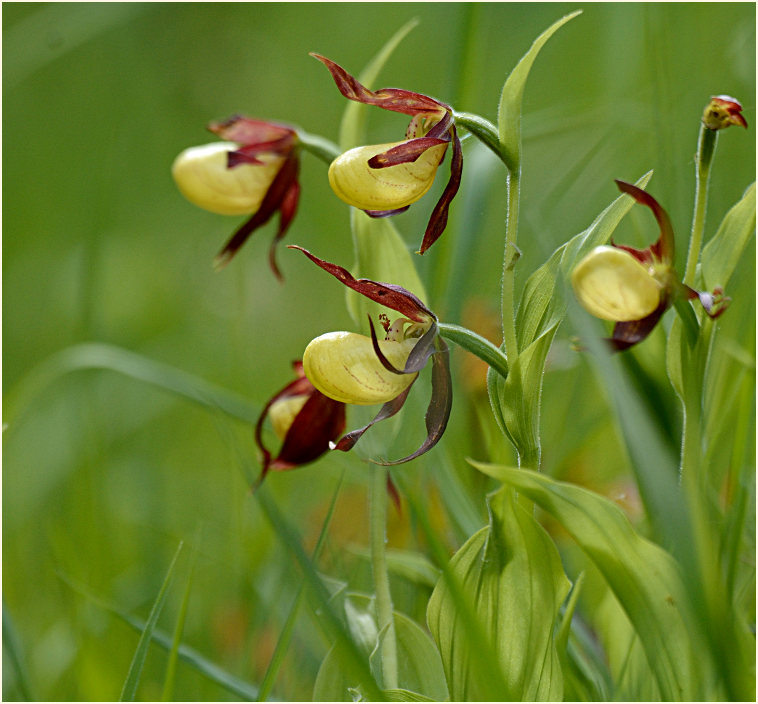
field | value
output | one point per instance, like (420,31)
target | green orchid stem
(319,146)
(486,133)
(378,543)
(705,149)
(477,345)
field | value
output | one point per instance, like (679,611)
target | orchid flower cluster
(254,172)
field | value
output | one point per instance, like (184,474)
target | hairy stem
(705,149)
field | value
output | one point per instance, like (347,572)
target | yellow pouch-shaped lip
(344,367)
(203,178)
(389,188)
(612,285)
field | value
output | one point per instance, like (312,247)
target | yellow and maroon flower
(723,111)
(385,179)
(304,419)
(635,287)
(253,172)
(361,370)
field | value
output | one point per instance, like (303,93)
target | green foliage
(511,573)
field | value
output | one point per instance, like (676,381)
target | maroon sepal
(630,332)
(320,421)
(389,295)
(405,152)
(663,248)
(438,219)
(395,99)
(440,405)
(282,196)
(385,213)
(394,494)
(251,133)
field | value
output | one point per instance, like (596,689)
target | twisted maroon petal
(385,213)
(405,152)
(249,132)
(278,192)
(438,219)
(389,295)
(663,248)
(631,332)
(395,99)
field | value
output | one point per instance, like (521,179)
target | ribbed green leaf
(509,112)
(419,666)
(644,578)
(722,253)
(512,572)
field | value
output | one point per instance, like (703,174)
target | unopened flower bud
(389,188)
(345,367)
(723,111)
(202,175)
(612,285)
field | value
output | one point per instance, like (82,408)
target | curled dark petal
(389,409)
(438,219)
(287,211)
(378,351)
(395,99)
(394,494)
(385,213)
(440,405)
(249,132)
(320,421)
(247,154)
(390,295)
(405,152)
(644,256)
(278,190)
(630,332)
(663,248)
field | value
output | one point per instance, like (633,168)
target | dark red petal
(272,201)
(405,152)
(247,131)
(394,494)
(389,409)
(390,295)
(418,357)
(385,213)
(320,421)
(438,219)
(663,248)
(395,99)
(440,405)
(287,211)
(246,154)
(629,333)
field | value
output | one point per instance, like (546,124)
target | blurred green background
(104,475)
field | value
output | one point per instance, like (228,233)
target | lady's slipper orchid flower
(356,369)
(635,287)
(384,179)
(304,419)
(723,111)
(254,172)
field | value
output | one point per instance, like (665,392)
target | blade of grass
(102,356)
(289,626)
(129,689)
(173,656)
(192,657)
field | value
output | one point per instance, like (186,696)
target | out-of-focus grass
(104,475)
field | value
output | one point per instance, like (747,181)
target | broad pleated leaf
(509,113)
(512,572)
(645,579)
